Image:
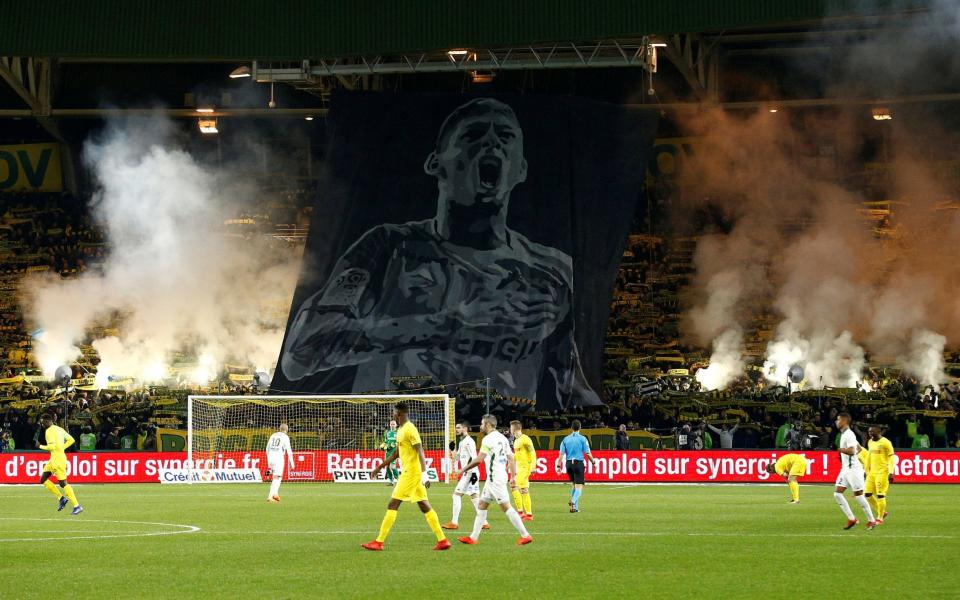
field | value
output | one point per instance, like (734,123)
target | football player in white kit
(278,454)
(469,483)
(851,474)
(497,454)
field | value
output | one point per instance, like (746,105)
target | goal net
(334,438)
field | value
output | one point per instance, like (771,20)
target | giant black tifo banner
(456,238)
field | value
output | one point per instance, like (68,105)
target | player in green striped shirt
(389,445)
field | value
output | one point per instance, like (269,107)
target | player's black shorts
(576,471)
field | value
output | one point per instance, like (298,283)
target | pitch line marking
(594,533)
(183,529)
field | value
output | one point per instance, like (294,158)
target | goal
(334,438)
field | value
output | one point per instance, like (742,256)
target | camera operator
(6,442)
(794,437)
(150,443)
(622,440)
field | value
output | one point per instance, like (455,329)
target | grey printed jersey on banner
(457,297)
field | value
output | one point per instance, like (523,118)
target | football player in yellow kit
(880,467)
(57,441)
(791,467)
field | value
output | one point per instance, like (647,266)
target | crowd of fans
(648,386)
(55,233)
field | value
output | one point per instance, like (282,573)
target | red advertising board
(746,466)
(144,467)
(722,466)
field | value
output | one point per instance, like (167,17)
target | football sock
(52,487)
(388,520)
(517,522)
(517,501)
(434,522)
(794,490)
(457,505)
(478,523)
(274,488)
(842,501)
(881,507)
(865,506)
(873,504)
(476,506)
(576,497)
(527,503)
(68,492)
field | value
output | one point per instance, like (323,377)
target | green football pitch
(226,541)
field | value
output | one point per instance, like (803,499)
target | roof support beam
(258,113)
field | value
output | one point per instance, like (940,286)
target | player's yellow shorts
(409,488)
(799,469)
(877,484)
(57,468)
(523,476)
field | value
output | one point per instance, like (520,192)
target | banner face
(723,466)
(30,168)
(459,238)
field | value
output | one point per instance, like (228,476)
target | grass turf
(659,541)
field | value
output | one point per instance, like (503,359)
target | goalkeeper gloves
(473,478)
(424,478)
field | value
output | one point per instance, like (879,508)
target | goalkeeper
(388,446)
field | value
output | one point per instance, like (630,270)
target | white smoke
(827,361)
(924,358)
(796,252)
(726,362)
(173,281)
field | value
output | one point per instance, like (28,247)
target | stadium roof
(303,29)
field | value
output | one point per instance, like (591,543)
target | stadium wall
(723,466)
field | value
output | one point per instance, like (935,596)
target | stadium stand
(649,383)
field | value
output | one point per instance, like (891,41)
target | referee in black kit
(573,449)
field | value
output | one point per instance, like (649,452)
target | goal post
(334,437)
